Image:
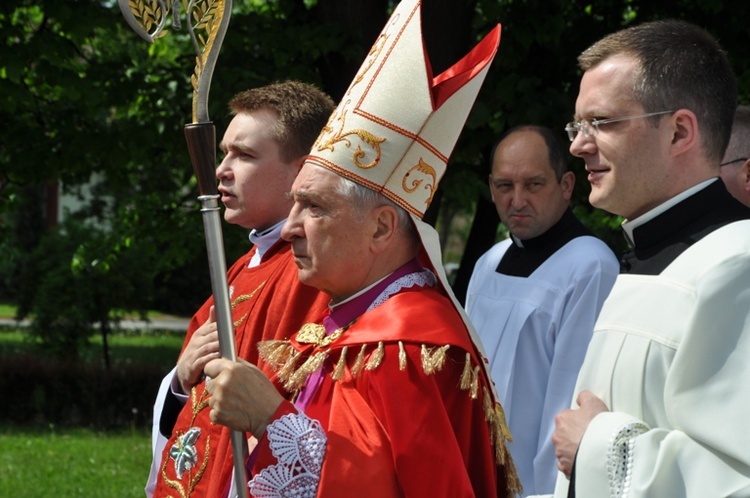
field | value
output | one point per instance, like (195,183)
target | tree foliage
(86,100)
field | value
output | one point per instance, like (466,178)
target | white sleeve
(686,435)
(583,302)
(158,440)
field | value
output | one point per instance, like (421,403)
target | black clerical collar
(660,240)
(522,259)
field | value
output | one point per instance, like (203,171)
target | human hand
(570,425)
(202,348)
(242,397)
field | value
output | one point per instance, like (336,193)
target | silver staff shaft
(219,287)
(201,141)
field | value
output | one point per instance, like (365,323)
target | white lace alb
(299,445)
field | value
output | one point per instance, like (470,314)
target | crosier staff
(148,18)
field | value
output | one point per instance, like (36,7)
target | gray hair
(364,199)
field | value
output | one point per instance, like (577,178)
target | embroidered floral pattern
(184,452)
(620,458)
(299,445)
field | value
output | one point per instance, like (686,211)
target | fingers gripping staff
(207,24)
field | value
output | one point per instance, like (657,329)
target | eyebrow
(303,195)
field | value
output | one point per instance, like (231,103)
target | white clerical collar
(263,241)
(629,225)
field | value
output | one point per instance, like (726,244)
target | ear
(299,162)
(567,182)
(683,128)
(385,220)
(745,175)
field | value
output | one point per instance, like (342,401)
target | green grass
(145,348)
(80,462)
(73,463)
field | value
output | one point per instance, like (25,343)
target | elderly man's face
(330,239)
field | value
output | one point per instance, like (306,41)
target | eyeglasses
(734,161)
(590,127)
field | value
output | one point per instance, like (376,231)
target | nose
(292,228)
(582,145)
(223,170)
(518,197)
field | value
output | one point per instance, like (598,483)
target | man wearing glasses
(661,405)
(735,167)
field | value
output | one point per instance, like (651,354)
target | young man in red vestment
(390,395)
(264,147)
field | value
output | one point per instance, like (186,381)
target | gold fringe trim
(275,352)
(401,356)
(377,357)
(357,367)
(500,434)
(338,371)
(287,369)
(466,376)
(298,378)
(433,359)
(470,378)
(475,383)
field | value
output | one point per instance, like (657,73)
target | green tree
(85,98)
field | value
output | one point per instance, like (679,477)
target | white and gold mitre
(396,126)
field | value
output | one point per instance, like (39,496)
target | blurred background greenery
(99,220)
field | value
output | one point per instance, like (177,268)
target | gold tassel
(275,352)
(500,434)
(475,383)
(401,356)
(287,370)
(377,357)
(338,372)
(359,361)
(312,364)
(433,360)
(466,375)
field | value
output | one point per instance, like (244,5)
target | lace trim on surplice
(620,458)
(299,445)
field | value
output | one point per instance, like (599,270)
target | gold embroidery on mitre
(372,56)
(328,138)
(412,184)
(433,359)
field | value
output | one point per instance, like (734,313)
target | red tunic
(268,302)
(393,429)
